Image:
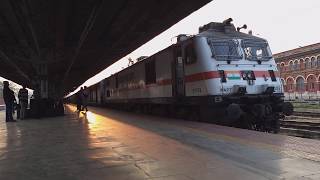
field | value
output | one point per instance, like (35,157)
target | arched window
(313,62)
(282,68)
(300,84)
(308,63)
(302,64)
(291,66)
(295,65)
(289,86)
(311,83)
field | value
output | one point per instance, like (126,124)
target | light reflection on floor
(90,117)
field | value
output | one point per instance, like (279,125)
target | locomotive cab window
(224,50)
(190,55)
(150,72)
(255,50)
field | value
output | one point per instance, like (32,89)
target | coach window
(318,60)
(150,72)
(190,57)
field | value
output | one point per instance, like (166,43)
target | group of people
(82,99)
(11,102)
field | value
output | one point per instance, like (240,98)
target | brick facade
(300,72)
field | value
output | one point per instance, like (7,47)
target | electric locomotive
(220,75)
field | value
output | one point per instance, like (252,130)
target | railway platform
(111,144)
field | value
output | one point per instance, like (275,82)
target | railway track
(301,126)
(306,114)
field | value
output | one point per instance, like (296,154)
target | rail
(301,126)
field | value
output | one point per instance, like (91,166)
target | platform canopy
(68,41)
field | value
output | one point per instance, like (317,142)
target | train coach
(220,75)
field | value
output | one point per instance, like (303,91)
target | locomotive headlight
(248,75)
(243,75)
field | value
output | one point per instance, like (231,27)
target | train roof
(224,30)
(216,35)
(143,60)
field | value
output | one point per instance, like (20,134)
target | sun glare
(91,117)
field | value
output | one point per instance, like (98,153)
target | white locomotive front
(220,75)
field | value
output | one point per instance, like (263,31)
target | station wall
(300,72)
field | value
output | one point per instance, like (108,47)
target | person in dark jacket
(23,101)
(85,95)
(8,97)
(79,99)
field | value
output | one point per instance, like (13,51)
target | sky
(286,24)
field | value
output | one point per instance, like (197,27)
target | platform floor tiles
(111,144)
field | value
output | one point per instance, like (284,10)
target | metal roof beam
(84,35)
(4,57)
(26,14)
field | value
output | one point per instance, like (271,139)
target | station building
(300,72)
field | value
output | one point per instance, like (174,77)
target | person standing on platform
(23,101)
(79,99)
(85,95)
(8,97)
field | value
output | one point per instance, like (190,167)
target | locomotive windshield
(256,50)
(224,50)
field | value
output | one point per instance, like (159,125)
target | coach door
(178,73)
